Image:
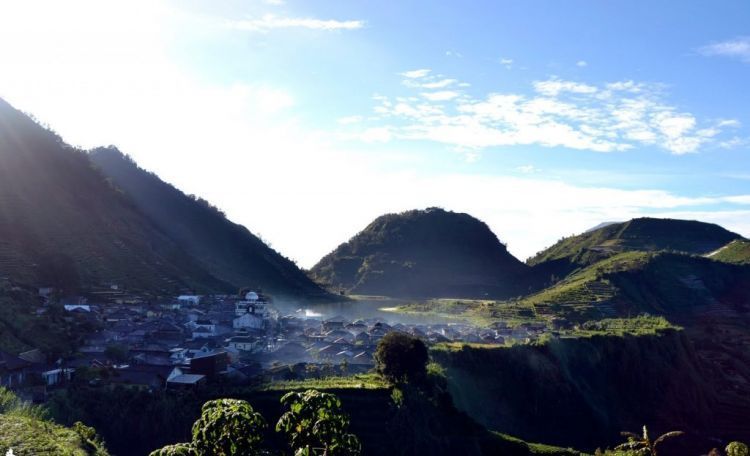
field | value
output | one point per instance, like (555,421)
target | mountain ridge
(228,250)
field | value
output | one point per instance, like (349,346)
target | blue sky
(305,120)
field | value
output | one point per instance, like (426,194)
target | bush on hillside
(401,357)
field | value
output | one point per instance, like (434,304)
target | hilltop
(421,253)
(640,234)
(227,250)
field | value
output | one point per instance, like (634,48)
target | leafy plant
(737,449)
(316,425)
(401,357)
(228,427)
(642,445)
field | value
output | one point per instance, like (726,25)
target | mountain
(228,251)
(663,283)
(62,224)
(423,253)
(737,251)
(640,234)
(75,221)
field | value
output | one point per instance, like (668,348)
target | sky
(305,120)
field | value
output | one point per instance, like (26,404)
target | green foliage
(737,252)
(737,449)
(357,381)
(25,429)
(228,427)
(10,404)
(642,445)
(21,328)
(316,425)
(401,357)
(178,449)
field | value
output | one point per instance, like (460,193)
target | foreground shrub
(316,425)
(228,427)
(401,357)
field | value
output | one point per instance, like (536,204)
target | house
(57,376)
(244,343)
(248,320)
(189,299)
(142,376)
(202,333)
(204,323)
(12,370)
(332,323)
(210,365)
(77,308)
(45,292)
(336,334)
(186,381)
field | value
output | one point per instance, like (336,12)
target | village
(191,340)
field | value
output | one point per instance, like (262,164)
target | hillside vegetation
(62,224)
(640,234)
(423,253)
(660,283)
(25,325)
(26,431)
(584,390)
(228,251)
(737,252)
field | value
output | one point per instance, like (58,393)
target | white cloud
(734,142)
(553,87)
(443,95)
(507,63)
(416,74)
(738,48)
(527,169)
(582,63)
(438,84)
(453,54)
(269,22)
(615,116)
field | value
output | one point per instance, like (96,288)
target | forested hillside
(423,253)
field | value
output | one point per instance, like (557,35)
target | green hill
(228,251)
(62,224)
(422,253)
(641,234)
(654,282)
(737,251)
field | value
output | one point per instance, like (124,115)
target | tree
(401,357)
(226,427)
(316,425)
(737,449)
(642,444)
(119,353)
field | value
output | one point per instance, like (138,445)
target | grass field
(359,381)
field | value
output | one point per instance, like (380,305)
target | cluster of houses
(191,340)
